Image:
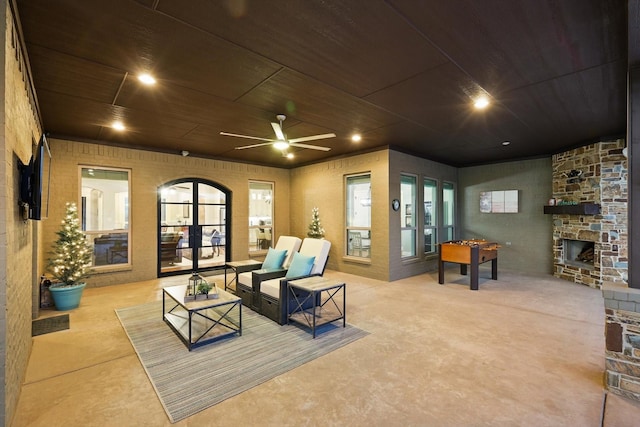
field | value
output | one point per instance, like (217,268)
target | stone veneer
(603,181)
(622,332)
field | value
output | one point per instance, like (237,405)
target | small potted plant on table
(70,261)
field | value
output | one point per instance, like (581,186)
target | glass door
(192,226)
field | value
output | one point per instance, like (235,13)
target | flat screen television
(34,182)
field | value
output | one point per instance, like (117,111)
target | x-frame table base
(313,302)
(200,322)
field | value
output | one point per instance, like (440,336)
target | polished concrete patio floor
(524,350)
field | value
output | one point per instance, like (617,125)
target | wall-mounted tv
(34,182)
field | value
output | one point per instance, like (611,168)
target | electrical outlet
(508,243)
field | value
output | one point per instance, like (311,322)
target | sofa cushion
(318,248)
(301,265)
(271,288)
(274,259)
(291,244)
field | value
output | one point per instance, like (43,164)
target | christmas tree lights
(315,228)
(70,259)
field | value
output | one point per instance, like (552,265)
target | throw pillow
(274,259)
(301,265)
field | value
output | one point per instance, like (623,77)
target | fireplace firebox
(579,253)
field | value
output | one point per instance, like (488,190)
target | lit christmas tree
(315,228)
(70,260)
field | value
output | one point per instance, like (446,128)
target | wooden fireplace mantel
(580,209)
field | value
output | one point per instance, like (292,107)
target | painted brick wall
(525,237)
(401,163)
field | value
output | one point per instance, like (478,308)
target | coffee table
(202,321)
(315,303)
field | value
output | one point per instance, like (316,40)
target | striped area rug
(188,382)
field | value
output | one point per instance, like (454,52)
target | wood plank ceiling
(402,73)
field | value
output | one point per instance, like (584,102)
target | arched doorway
(193,226)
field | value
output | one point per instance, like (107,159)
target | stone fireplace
(591,183)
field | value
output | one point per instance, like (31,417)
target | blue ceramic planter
(66,297)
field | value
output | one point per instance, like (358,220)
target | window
(105,214)
(358,219)
(448,210)
(408,231)
(430,217)
(260,215)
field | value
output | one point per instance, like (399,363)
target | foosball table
(468,253)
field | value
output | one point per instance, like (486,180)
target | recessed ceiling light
(289,155)
(117,125)
(147,79)
(481,103)
(505,143)
(356,137)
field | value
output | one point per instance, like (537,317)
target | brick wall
(19,238)
(150,170)
(322,185)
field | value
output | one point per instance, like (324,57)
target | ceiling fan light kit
(281,142)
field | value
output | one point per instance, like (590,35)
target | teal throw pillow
(274,259)
(301,265)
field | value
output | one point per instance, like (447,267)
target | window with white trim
(408,228)
(104,214)
(448,210)
(430,215)
(358,215)
(260,215)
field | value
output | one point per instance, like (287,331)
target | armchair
(273,291)
(169,250)
(244,277)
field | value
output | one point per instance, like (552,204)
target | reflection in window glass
(260,215)
(176,209)
(430,217)
(105,214)
(408,215)
(358,215)
(448,210)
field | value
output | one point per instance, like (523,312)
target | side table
(316,301)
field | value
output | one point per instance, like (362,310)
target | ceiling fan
(282,143)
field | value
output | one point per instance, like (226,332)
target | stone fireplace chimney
(595,177)
(590,189)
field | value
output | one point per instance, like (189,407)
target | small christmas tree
(315,228)
(70,260)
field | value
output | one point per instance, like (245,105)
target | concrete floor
(522,351)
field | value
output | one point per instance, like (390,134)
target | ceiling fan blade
(278,130)
(254,145)
(245,136)
(312,147)
(313,137)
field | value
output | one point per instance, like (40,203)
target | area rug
(188,382)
